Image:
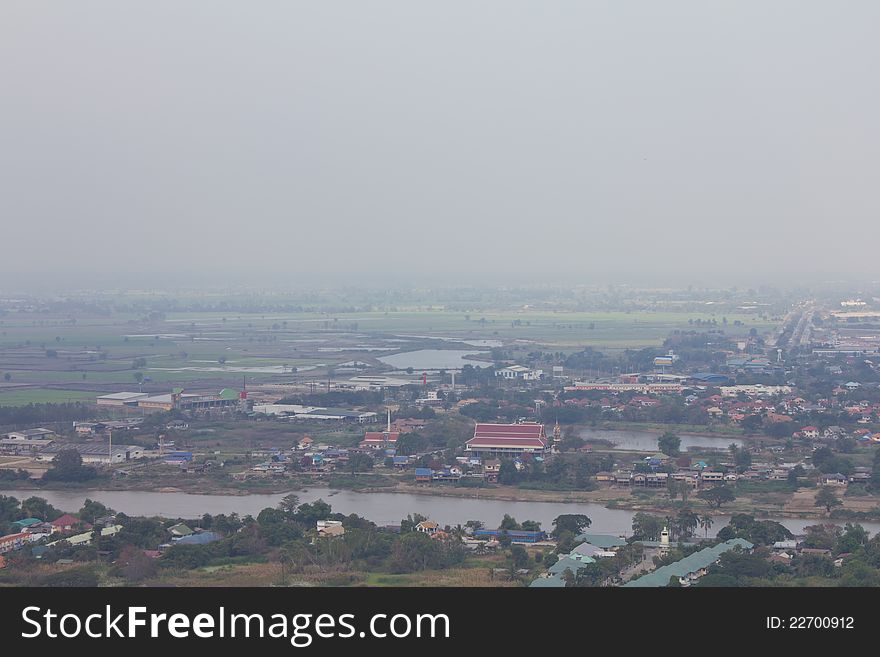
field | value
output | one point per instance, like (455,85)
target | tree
(706,523)
(135,565)
(508,522)
(37,507)
(853,538)
(92,510)
(317,510)
(531,526)
(68,466)
(519,556)
(684,524)
(647,527)
(570,522)
(759,532)
(414,551)
(717,496)
(409,523)
(288,504)
(741,457)
(358,462)
(669,443)
(828,498)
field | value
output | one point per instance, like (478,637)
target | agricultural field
(60,357)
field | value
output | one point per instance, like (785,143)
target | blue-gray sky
(408,140)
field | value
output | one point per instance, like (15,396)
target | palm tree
(706,523)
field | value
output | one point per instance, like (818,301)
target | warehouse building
(94,453)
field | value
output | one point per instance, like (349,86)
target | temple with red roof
(380,439)
(508,439)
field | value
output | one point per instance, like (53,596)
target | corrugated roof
(690,564)
(552,582)
(603,541)
(567,563)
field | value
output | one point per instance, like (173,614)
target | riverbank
(622,499)
(388,508)
(791,504)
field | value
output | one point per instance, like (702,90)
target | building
(121,398)
(21,447)
(644,388)
(26,523)
(835,479)
(330,528)
(428,527)
(175,400)
(757,390)
(602,541)
(379,439)
(491,470)
(508,439)
(178,458)
(372,383)
(519,372)
(691,568)
(407,425)
(180,530)
(299,412)
(199,538)
(67,523)
(31,434)
(515,535)
(17,541)
(92,453)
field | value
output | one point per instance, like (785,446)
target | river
(381,508)
(646,441)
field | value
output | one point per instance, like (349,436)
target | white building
(756,390)
(94,453)
(520,372)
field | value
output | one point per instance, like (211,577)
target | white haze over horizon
(459,142)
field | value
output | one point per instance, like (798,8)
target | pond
(434,359)
(646,441)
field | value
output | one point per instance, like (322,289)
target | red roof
(485,430)
(516,436)
(535,443)
(66,520)
(381,437)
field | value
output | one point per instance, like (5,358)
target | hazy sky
(443,141)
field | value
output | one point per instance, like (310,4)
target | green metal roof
(27,522)
(553,582)
(690,564)
(603,541)
(567,563)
